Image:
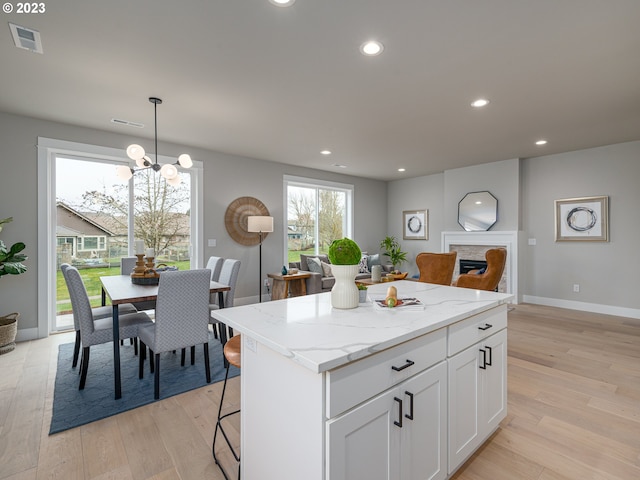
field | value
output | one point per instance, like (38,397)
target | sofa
(319,267)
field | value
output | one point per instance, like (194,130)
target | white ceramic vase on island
(344,293)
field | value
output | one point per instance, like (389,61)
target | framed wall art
(415,224)
(582,219)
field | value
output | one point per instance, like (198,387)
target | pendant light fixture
(135,152)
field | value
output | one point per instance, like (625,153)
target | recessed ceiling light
(402,169)
(481,102)
(339,165)
(371,48)
(282,3)
(541,142)
(326,152)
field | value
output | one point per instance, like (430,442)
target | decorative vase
(344,293)
(362,294)
(376,273)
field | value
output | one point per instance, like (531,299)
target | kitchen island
(370,393)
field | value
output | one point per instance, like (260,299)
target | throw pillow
(362,266)
(326,269)
(373,260)
(314,265)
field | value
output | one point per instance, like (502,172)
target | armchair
(489,280)
(436,267)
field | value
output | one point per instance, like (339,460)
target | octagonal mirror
(478,211)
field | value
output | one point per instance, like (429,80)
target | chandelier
(135,152)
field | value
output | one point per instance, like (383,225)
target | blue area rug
(73,407)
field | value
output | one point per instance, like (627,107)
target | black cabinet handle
(487,326)
(490,355)
(398,423)
(410,414)
(406,365)
(484,359)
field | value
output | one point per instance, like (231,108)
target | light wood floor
(574,413)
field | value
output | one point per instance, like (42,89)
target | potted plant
(392,250)
(10,264)
(362,292)
(344,255)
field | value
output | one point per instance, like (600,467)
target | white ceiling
(282,84)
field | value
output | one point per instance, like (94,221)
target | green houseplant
(344,255)
(392,249)
(10,264)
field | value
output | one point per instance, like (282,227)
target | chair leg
(135,345)
(143,350)
(182,356)
(193,354)
(219,427)
(207,367)
(84,367)
(215,331)
(151,360)
(156,380)
(76,349)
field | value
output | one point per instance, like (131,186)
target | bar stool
(232,355)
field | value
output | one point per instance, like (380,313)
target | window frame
(317,184)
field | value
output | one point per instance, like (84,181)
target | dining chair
(96,331)
(436,267)
(98,313)
(228,276)
(127,264)
(490,278)
(181,309)
(215,265)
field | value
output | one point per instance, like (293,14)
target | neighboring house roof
(83,219)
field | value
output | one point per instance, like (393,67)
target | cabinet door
(364,443)
(464,408)
(494,381)
(423,442)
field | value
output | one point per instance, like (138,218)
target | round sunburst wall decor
(235,219)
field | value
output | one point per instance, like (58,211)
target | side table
(285,286)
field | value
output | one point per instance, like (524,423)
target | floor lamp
(260,225)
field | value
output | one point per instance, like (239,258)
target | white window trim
(48,149)
(288,180)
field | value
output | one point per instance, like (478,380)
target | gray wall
(226,177)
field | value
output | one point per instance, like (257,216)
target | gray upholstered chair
(215,265)
(228,276)
(181,319)
(95,331)
(127,264)
(98,313)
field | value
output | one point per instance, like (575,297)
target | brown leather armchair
(489,280)
(436,267)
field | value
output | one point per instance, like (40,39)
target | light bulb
(169,171)
(143,162)
(135,152)
(185,160)
(123,172)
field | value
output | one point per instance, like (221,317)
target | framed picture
(582,219)
(415,224)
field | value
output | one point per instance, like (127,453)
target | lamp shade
(259,224)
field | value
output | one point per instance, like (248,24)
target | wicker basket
(8,331)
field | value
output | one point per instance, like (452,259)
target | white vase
(344,293)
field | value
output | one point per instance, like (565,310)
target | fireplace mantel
(506,239)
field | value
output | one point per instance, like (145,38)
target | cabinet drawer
(358,381)
(467,332)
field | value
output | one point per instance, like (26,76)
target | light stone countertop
(312,333)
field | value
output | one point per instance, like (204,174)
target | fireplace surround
(473,245)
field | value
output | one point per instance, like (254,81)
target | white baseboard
(583,306)
(25,334)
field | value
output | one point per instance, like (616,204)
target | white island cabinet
(332,394)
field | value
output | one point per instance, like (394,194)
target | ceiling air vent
(127,123)
(26,38)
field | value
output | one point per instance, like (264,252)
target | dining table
(120,289)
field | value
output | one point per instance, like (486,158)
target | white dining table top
(120,289)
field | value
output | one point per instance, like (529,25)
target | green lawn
(91,279)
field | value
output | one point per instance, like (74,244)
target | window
(92,243)
(317,213)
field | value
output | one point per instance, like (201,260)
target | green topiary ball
(344,252)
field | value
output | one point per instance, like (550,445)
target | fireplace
(467,265)
(473,245)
